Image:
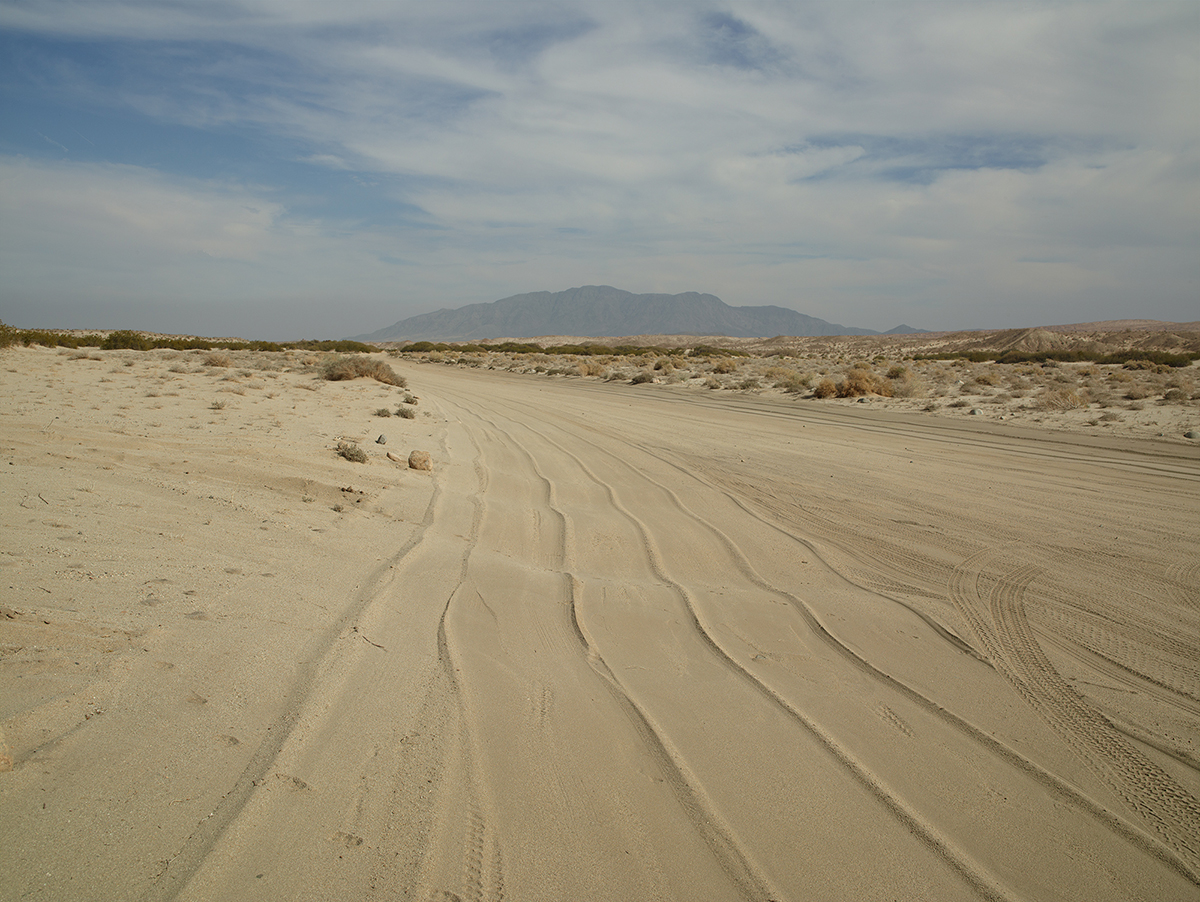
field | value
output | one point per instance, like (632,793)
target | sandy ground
(623,643)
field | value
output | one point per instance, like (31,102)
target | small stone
(1193,433)
(975,411)
(382,440)
(420,460)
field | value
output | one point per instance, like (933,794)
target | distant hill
(601,310)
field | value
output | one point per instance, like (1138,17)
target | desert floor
(622,643)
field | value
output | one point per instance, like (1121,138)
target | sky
(290,169)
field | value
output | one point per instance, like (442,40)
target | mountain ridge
(601,310)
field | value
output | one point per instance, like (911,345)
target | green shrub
(126,339)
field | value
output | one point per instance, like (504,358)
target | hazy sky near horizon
(288,169)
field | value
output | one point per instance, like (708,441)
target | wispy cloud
(946,165)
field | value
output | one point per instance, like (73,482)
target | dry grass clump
(342,368)
(352,452)
(642,378)
(217,358)
(826,388)
(406,413)
(1061,399)
(793,382)
(383,412)
(592,368)
(725,366)
(859,382)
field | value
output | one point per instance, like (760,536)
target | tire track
(998,617)
(181,867)
(983,883)
(732,855)
(468,847)
(1060,788)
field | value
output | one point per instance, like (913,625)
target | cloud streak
(949,166)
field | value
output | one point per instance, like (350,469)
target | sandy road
(645,643)
(631,621)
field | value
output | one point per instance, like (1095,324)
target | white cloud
(968,164)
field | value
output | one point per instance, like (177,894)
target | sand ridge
(623,642)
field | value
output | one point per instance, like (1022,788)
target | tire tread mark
(183,865)
(1159,801)
(985,885)
(1146,842)
(732,856)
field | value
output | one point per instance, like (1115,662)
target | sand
(620,643)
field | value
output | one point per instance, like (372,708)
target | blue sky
(287,169)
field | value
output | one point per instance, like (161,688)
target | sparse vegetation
(352,452)
(826,388)
(342,368)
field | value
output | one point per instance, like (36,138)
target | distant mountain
(600,310)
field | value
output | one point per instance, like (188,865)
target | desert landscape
(663,625)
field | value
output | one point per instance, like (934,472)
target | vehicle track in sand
(591,432)
(992,600)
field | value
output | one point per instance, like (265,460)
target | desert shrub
(406,413)
(352,452)
(126,339)
(410,398)
(592,368)
(899,372)
(642,378)
(1060,399)
(725,366)
(664,363)
(712,383)
(825,389)
(908,388)
(1175,394)
(860,382)
(986,378)
(342,368)
(217,358)
(383,412)
(1136,393)
(778,373)
(794,382)
(217,405)
(747,384)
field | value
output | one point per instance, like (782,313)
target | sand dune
(619,644)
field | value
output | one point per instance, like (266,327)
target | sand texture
(620,642)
